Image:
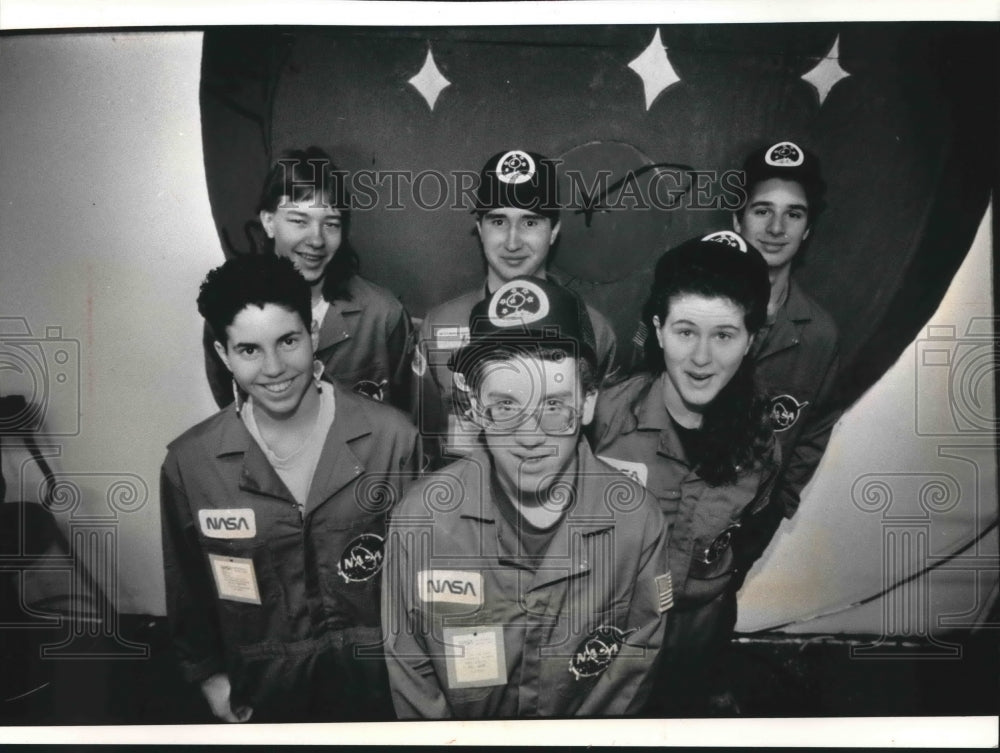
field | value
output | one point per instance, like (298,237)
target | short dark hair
(311,175)
(252,280)
(546,352)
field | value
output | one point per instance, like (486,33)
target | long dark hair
(310,174)
(736,431)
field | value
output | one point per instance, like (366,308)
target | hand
(216,691)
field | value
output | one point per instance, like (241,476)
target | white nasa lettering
(450,586)
(228,524)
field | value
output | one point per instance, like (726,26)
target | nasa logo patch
(785,411)
(361,559)
(517,303)
(374,390)
(784,154)
(515,167)
(729,238)
(597,651)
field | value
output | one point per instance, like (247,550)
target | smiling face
(704,341)
(527,460)
(515,242)
(775,220)
(270,353)
(306,233)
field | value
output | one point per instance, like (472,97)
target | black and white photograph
(400,369)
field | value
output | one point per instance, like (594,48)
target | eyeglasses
(554,418)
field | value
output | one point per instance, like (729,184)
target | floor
(132,679)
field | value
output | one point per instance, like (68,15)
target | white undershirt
(319,313)
(297,469)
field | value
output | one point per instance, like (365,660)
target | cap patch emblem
(515,167)
(597,651)
(361,559)
(784,154)
(729,238)
(517,303)
(785,411)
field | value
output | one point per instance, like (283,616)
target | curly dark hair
(252,280)
(306,175)
(736,430)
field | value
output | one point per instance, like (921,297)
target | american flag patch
(641,333)
(664,591)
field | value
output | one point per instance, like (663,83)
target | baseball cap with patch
(723,262)
(788,161)
(519,179)
(527,312)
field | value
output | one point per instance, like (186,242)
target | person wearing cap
(527,578)
(695,432)
(273,516)
(365,334)
(517,220)
(796,351)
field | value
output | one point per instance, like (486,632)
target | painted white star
(653,67)
(827,72)
(429,81)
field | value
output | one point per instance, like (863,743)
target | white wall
(106,232)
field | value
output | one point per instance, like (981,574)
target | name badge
(475,656)
(450,587)
(238,523)
(450,338)
(235,579)
(638,472)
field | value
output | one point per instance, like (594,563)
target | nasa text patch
(238,523)
(450,586)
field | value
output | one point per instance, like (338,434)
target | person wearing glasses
(273,516)
(696,433)
(517,222)
(527,578)
(365,334)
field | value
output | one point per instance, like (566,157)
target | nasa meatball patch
(597,651)
(785,411)
(361,559)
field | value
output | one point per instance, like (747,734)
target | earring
(236,397)
(318,374)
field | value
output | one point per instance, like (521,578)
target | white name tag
(235,578)
(450,586)
(449,338)
(237,523)
(475,656)
(638,472)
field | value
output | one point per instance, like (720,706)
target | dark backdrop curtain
(908,143)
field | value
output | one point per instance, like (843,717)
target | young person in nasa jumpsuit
(273,516)
(527,578)
(517,220)
(796,349)
(694,431)
(365,335)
